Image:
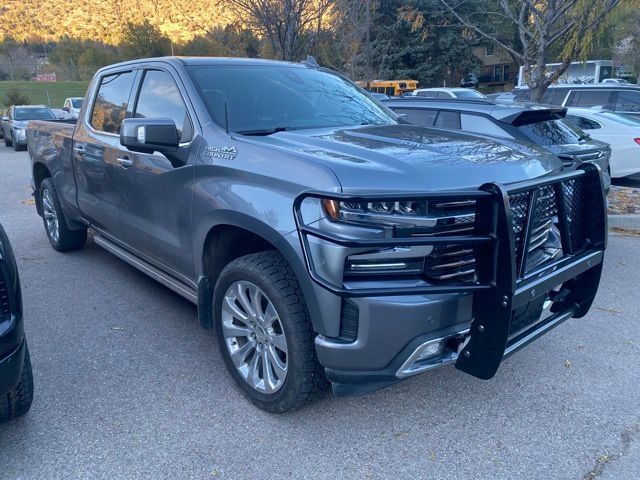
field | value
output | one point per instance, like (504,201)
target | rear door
(96,151)
(156,195)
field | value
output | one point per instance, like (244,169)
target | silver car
(14,123)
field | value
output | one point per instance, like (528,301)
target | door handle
(78,150)
(125,162)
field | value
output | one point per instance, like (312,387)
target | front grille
(535,221)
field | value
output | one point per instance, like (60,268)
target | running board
(145,267)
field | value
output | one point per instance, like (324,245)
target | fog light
(430,349)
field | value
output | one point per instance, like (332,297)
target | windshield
(622,118)
(76,102)
(552,132)
(33,114)
(263,99)
(468,94)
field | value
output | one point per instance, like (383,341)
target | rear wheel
(17,402)
(7,140)
(264,332)
(60,236)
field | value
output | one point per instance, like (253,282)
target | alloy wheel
(50,217)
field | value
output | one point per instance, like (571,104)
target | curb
(625,221)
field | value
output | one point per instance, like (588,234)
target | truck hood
(407,157)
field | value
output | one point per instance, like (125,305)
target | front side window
(628,102)
(427,94)
(111,103)
(263,99)
(420,117)
(159,97)
(551,132)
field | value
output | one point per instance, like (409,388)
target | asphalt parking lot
(129,386)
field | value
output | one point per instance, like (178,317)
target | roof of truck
(203,61)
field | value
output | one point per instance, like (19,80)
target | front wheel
(60,236)
(17,402)
(7,140)
(264,332)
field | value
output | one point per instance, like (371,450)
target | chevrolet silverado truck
(322,239)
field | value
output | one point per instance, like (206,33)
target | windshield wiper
(265,132)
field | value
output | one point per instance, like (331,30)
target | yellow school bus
(390,87)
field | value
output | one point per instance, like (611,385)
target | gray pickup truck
(321,238)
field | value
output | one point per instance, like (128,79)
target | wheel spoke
(241,354)
(256,301)
(48,215)
(269,379)
(244,301)
(230,330)
(270,316)
(278,366)
(230,306)
(252,375)
(280,342)
(46,200)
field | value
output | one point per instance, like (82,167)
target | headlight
(376,213)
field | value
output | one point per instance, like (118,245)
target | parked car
(323,239)
(621,132)
(470,80)
(16,379)
(619,81)
(3,114)
(446,93)
(543,126)
(502,97)
(14,124)
(72,106)
(617,98)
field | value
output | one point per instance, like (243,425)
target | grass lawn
(47,93)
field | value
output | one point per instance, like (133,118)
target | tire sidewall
(292,383)
(47,184)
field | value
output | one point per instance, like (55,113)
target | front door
(156,196)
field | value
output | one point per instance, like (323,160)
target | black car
(16,380)
(610,96)
(542,125)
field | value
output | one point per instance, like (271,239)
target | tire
(7,140)
(55,225)
(17,402)
(280,336)
(18,148)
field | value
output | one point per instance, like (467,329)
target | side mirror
(148,135)
(66,109)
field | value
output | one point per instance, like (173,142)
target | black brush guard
(503,283)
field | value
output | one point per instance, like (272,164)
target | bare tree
(568,26)
(282,22)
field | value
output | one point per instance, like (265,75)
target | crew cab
(321,238)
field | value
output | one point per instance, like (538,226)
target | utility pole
(367,10)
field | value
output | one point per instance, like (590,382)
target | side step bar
(145,267)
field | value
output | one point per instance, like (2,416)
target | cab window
(110,106)
(449,120)
(160,98)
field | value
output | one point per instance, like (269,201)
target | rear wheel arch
(40,173)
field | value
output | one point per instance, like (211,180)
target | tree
(140,40)
(283,22)
(16,97)
(541,25)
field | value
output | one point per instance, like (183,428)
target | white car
(443,93)
(619,81)
(72,106)
(620,131)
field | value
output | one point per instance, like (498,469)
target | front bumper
(11,368)
(19,137)
(475,320)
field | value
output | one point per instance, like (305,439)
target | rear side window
(551,132)
(554,97)
(427,94)
(444,95)
(482,125)
(449,120)
(159,97)
(423,118)
(111,103)
(583,123)
(588,98)
(628,102)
